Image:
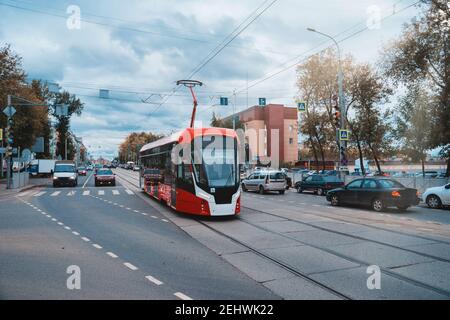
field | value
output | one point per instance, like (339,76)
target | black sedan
(319,183)
(375,192)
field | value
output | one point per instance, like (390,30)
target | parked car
(105,177)
(437,197)
(378,193)
(319,183)
(82,171)
(428,174)
(65,174)
(136,168)
(265,181)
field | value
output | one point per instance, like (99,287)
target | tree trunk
(361,159)
(375,157)
(422,160)
(316,158)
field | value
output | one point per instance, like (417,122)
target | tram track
(305,276)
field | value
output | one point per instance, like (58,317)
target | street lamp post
(342,144)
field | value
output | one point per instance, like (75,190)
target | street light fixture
(342,144)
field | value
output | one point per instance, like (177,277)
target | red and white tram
(194,171)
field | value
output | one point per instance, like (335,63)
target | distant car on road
(378,193)
(319,183)
(264,181)
(65,174)
(82,171)
(437,197)
(105,177)
(89,168)
(136,168)
(428,174)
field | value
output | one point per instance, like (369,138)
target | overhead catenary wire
(222,46)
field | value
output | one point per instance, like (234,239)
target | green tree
(422,55)
(414,125)
(28,122)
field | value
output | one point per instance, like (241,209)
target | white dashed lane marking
(71,193)
(86,193)
(112,255)
(101,192)
(130,266)
(54,194)
(40,194)
(75,233)
(97,246)
(129,191)
(154,280)
(85,239)
(115,192)
(182,296)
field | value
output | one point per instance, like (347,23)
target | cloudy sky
(138,49)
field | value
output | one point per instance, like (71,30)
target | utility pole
(342,125)
(8,148)
(234,109)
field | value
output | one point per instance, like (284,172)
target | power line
(63,15)
(271,75)
(222,46)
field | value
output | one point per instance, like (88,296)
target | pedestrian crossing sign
(344,135)
(301,106)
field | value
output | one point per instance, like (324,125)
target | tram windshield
(215,161)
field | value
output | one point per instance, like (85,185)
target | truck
(42,167)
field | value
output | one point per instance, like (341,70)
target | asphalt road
(292,246)
(124,248)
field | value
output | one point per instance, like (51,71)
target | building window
(291,140)
(291,128)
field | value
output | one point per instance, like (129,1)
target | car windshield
(104,172)
(81,168)
(219,162)
(64,168)
(387,184)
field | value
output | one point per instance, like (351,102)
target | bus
(194,171)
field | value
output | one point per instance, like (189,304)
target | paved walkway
(33,182)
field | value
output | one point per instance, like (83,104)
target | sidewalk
(33,183)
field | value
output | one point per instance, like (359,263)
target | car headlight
(55,178)
(72,178)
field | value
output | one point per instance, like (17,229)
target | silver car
(264,181)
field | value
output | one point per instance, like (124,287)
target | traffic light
(337,112)
(10,132)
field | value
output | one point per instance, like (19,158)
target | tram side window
(184,178)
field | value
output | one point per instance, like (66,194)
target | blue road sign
(344,135)
(301,106)
(9,111)
(262,101)
(223,101)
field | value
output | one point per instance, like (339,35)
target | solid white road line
(112,255)
(87,180)
(97,246)
(86,193)
(115,192)
(129,191)
(154,280)
(182,296)
(54,194)
(130,266)
(101,192)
